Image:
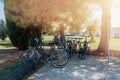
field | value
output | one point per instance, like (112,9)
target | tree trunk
(106,26)
(92,36)
(62,32)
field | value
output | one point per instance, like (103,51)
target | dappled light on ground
(93,68)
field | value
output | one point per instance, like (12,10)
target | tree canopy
(25,12)
(47,14)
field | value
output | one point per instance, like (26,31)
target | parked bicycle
(72,46)
(57,57)
(32,52)
(69,48)
(67,45)
(84,50)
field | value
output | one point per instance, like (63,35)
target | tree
(92,29)
(3,30)
(19,36)
(106,25)
(25,17)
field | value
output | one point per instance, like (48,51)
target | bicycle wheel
(30,54)
(82,54)
(88,51)
(25,55)
(35,56)
(61,58)
(42,55)
(69,53)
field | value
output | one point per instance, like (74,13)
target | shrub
(19,36)
(3,30)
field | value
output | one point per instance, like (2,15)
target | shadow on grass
(9,61)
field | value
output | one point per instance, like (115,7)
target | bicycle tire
(24,57)
(30,54)
(82,55)
(60,55)
(36,56)
(42,54)
(88,51)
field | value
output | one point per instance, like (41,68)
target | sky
(2,11)
(115,18)
(115,15)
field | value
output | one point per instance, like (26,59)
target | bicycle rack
(21,71)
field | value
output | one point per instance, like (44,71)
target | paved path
(93,68)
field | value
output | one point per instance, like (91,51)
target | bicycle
(69,48)
(84,51)
(72,46)
(32,52)
(61,44)
(57,57)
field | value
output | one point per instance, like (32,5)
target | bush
(3,30)
(3,35)
(19,36)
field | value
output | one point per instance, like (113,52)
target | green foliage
(24,13)
(3,30)
(93,28)
(19,36)
(3,35)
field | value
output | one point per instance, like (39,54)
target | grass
(5,44)
(48,38)
(114,42)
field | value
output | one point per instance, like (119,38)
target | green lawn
(114,42)
(5,44)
